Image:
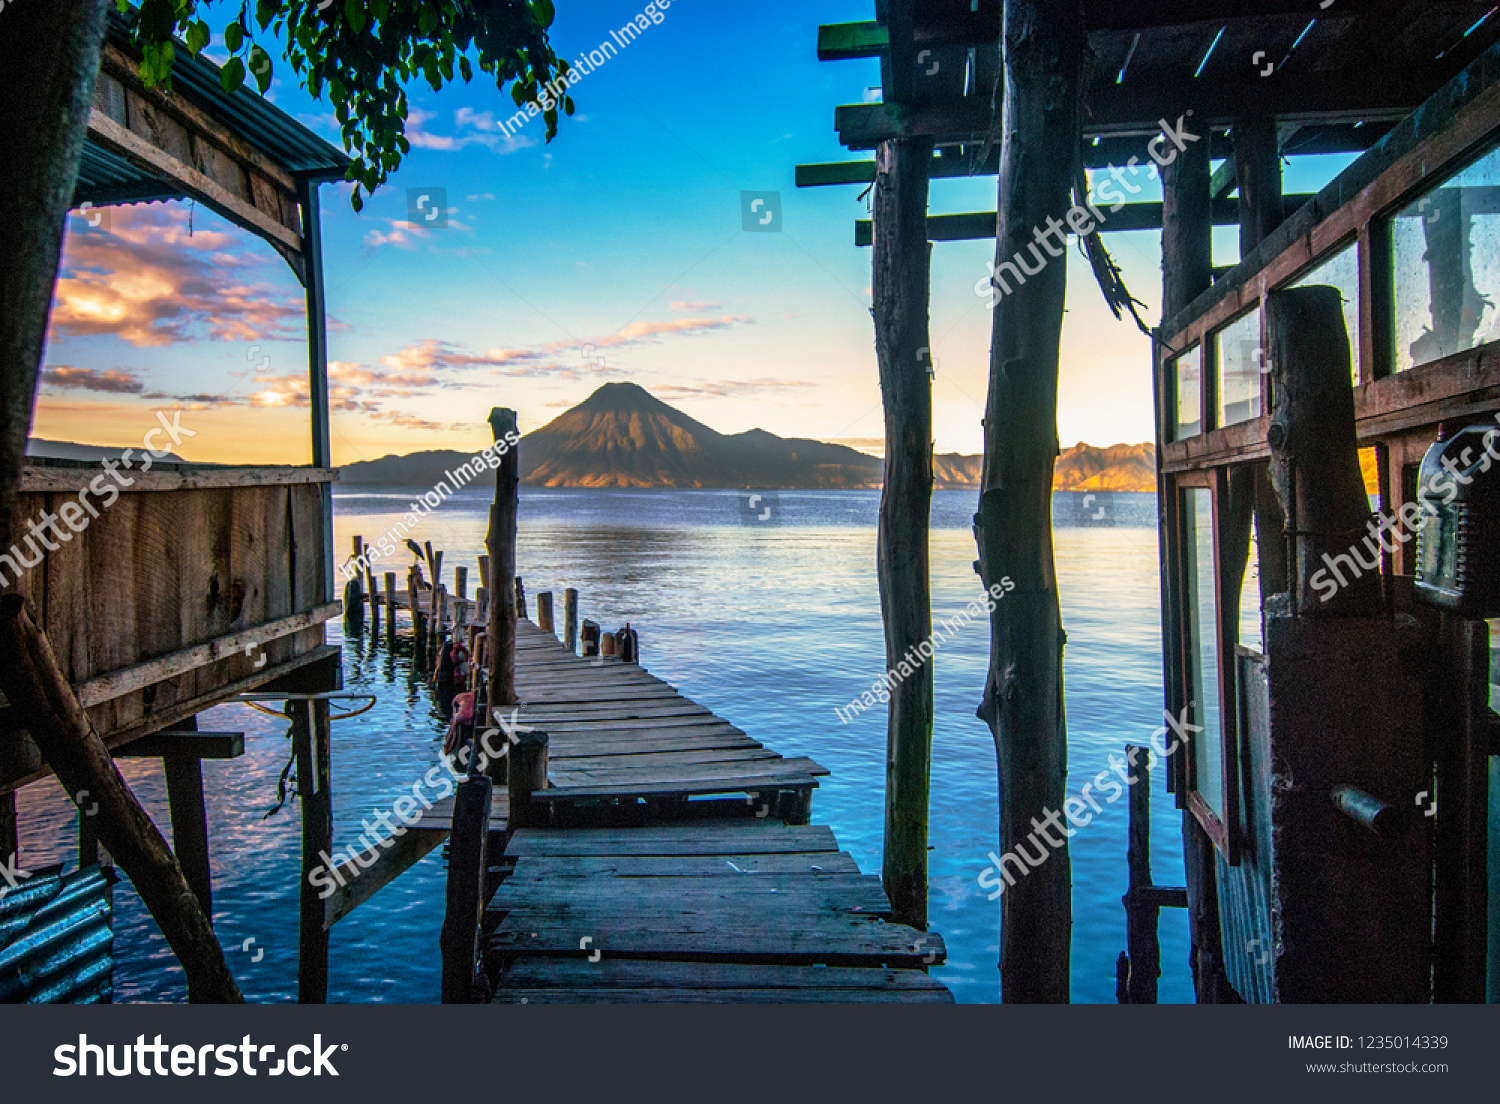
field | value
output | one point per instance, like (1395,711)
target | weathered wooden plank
(663,761)
(688,772)
(536,972)
(851,894)
(813,864)
(836,940)
(574,748)
(585,995)
(121,682)
(757,838)
(700,787)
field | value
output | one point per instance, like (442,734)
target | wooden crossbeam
(201,745)
(979,225)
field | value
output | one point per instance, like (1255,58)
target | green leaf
(354,12)
(265,11)
(543,12)
(232,75)
(568,104)
(427,19)
(465,69)
(356,200)
(380,9)
(198,35)
(234,37)
(518,93)
(260,65)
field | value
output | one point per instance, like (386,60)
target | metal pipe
(1385,820)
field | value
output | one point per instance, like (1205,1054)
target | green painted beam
(846,41)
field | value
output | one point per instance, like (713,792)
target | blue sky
(616,252)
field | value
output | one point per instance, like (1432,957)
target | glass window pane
(1251,635)
(1445,258)
(1342,271)
(1237,348)
(1189,394)
(1203,644)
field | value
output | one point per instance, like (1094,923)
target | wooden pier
(669,859)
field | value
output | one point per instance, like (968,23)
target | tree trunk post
(390,606)
(501,543)
(468,869)
(33,684)
(1043,48)
(310,742)
(901,291)
(521,610)
(49,57)
(544,612)
(1141,917)
(570,620)
(526,775)
(1257,163)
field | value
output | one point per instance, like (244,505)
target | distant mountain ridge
(623,436)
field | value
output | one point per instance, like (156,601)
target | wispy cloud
(723,389)
(115,381)
(696,305)
(472,128)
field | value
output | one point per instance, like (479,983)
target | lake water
(766,612)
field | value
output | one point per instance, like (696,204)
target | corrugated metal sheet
(56,942)
(1247,929)
(250,115)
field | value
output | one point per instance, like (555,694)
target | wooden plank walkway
(632,899)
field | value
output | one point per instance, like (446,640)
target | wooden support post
(390,605)
(521,610)
(484,572)
(310,743)
(1044,48)
(570,619)
(1141,910)
(901,284)
(34,685)
(501,543)
(527,774)
(418,623)
(589,639)
(1461,900)
(1257,157)
(544,612)
(608,645)
(468,866)
(461,581)
(1315,454)
(185,800)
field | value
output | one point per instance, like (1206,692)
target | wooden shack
(1336,802)
(193,584)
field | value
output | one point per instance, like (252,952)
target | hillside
(623,436)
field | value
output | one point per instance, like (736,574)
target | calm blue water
(767,613)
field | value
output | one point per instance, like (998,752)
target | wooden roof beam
(982,225)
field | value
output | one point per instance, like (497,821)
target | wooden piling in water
(1044,46)
(501,543)
(468,867)
(1141,913)
(902,288)
(10,842)
(418,621)
(527,774)
(570,619)
(390,605)
(311,746)
(521,598)
(544,612)
(461,581)
(185,802)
